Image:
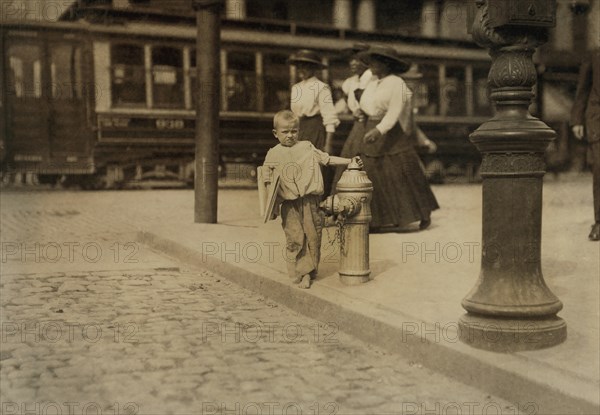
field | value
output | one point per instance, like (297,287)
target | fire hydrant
(352,209)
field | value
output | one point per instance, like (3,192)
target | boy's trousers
(302,222)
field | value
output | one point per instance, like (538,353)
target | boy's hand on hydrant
(358,161)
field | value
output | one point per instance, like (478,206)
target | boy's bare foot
(305,283)
(297,280)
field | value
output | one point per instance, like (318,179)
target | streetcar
(109,100)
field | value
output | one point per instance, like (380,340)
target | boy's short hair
(284,115)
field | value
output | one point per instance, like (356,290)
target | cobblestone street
(95,323)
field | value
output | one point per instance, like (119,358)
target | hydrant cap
(354,179)
(353,165)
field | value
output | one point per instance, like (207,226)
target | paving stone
(26,301)
(52,393)
(35,290)
(365,400)
(160,363)
(136,282)
(67,287)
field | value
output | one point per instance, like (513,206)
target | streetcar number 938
(166,124)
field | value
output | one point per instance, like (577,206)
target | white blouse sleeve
(399,107)
(330,118)
(347,85)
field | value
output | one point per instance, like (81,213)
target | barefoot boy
(300,188)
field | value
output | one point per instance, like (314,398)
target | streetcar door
(49,130)
(68,126)
(27,120)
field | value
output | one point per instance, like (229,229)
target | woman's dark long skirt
(312,129)
(351,148)
(401,193)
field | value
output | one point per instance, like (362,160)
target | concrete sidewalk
(412,303)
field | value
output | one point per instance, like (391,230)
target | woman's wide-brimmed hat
(306,56)
(412,74)
(357,52)
(360,47)
(389,55)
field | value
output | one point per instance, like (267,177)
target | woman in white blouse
(353,88)
(401,192)
(312,102)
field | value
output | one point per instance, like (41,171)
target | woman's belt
(306,117)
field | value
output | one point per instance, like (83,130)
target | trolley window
(277,82)
(311,11)
(167,77)
(25,75)
(128,75)
(481,91)
(240,82)
(420,92)
(193,77)
(400,16)
(454,91)
(429,103)
(268,9)
(65,71)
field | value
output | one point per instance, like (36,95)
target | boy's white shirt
(299,169)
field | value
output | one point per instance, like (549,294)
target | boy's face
(287,132)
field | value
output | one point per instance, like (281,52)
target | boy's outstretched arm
(342,161)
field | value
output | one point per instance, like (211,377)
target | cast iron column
(511,308)
(208,22)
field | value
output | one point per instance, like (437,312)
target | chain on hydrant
(351,207)
(340,221)
(340,209)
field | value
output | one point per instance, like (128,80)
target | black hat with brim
(356,48)
(412,74)
(306,56)
(357,51)
(388,55)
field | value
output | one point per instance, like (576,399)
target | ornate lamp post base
(511,308)
(511,335)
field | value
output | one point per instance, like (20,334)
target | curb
(509,379)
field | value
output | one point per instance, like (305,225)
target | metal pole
(511,308)
(208,22)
